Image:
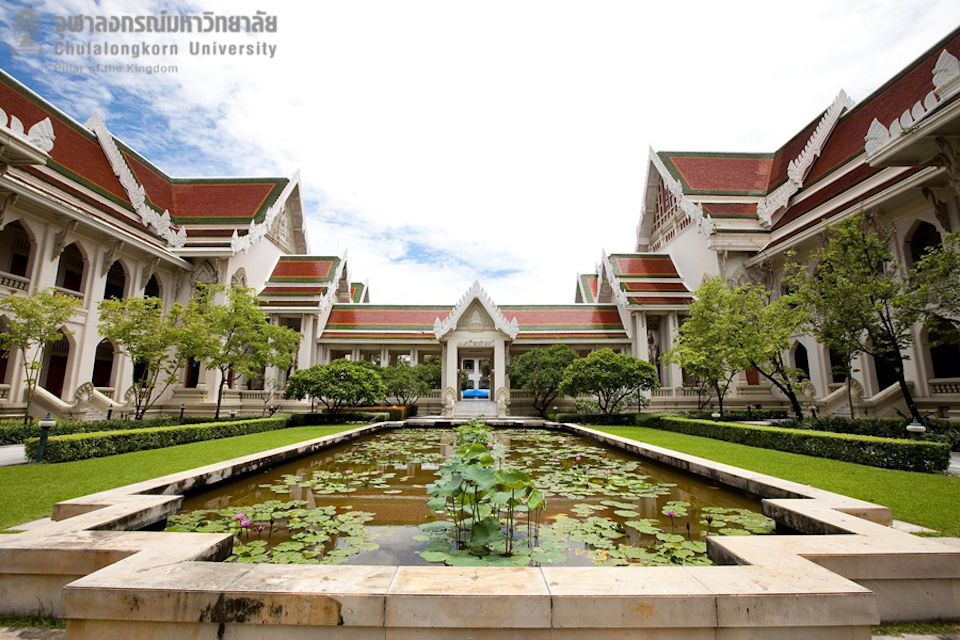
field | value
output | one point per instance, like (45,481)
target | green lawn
(29,491)
(926,499)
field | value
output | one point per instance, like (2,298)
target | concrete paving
(27,633)
(12,454)
(954,468)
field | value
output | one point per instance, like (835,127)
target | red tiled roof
(75,150)
(367,317)
(304,269)
(316,290)
(569,318)
(644,265)
(726,173)
(660,300)
(730,209)
(885,104)
(205,200)
(653,286)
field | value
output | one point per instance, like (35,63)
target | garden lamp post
(183,407)
(45,424)
(916,428)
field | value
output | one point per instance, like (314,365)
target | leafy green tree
(342,383)
(706,344)
(235,337)
(767,327)
(540,371)
(36,321)
(937,278)
(405,384)
(140,330)
(860,297)
(610,377)
(430,370)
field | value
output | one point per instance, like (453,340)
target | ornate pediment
(476,311)
(800,166)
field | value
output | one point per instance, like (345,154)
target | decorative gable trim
(159,222)
(946,83)
(258,231)
(800,166)
(692,209)
(475,292)
(40,135)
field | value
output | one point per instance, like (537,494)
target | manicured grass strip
(80,446)
(898,629)
(921,498)
(28,492)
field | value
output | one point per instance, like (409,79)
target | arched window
(945,352)
(838,370)
(71,269)
(924,237)
(4,357)
(152,290)
(53,376)
(15,250)
(116,284)
(103,365)
(801,360)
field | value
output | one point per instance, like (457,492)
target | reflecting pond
(365,502)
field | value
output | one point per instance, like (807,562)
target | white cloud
(502,136)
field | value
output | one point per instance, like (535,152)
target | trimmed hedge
(80,446)
(18,433)
(937,430)
(887,453)
(609,419)
(739,415)
(317,419)
(396,412)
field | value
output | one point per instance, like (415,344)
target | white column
(641,348)
(499,366)
(86,335)
(675,376)
(451,368)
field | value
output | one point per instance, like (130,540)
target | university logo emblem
(26,31)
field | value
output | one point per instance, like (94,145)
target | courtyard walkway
(60,634)
(12,454)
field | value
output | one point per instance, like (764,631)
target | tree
(703,346)
(610,377)
(857,295)
(150,338)
(340,384)
(37,321)
(767,327)
(431,369)
(937,279)
(236,337)
(540,371)
(404,383)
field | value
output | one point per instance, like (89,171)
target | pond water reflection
(365,502)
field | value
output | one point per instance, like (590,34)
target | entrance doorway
(475,377)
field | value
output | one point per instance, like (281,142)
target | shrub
(316,419)
(908,455)
(18,433)
(395,412)
(937,430)
(80,446)
(739,415)
(611,419)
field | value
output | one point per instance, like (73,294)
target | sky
(443,142)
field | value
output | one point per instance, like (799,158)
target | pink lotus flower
(241,516)
(246,523)
(348,472)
